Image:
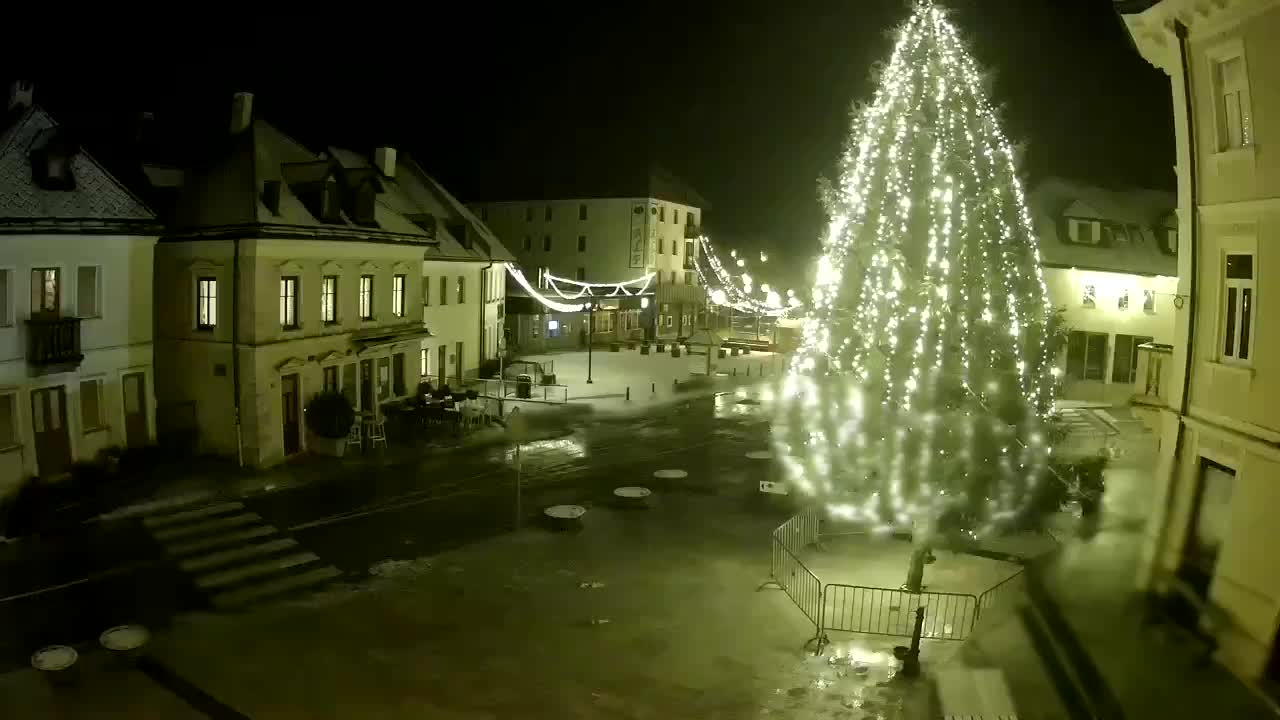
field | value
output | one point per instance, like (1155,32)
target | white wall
(116,341)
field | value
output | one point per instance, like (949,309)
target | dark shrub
(329,415)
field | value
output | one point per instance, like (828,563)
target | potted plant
(329,421)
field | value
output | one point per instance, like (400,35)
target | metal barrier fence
(875,611)
(881,611)
(495,387)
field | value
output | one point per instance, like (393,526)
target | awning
(382,337)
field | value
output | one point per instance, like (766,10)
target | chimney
(385,160)
(241,112)
(20,95)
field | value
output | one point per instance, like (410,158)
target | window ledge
(1238,370)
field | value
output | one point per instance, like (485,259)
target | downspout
(235,347)
(1193,232)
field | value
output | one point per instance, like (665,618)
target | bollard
(628,393)
(911,663)
(735,372)
(748,371)
(675,384)
(653,388)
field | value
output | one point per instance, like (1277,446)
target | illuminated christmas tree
(920,394)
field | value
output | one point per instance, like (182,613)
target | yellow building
(1212,538)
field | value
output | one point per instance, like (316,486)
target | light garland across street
(728,289)
(627,288)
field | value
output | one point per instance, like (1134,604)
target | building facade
(1216,495)
(649,226)
(76,249)
(1110,263)
(286,272)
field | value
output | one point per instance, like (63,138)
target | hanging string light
(737,290)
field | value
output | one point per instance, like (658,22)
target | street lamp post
(591,328)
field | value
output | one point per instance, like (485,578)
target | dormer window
(330,202)
(1084,232)
(51,162)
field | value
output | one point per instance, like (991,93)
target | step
(236,554)
(278,586)
(166,535)
(258,569)
(157,521)
(217,541)
(162,505)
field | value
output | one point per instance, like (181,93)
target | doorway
(442,363)
(289,413)
(366,385)
(457,364)
(1210,521)
(135,409)
(49,425)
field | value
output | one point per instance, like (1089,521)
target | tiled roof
(1147,209)
(97,195)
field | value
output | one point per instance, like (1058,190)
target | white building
(1110,263)
(605,231)
(288,271)
(75,302)
(1215,495)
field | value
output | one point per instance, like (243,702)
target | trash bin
(524,386)
(644,349)
(675,351)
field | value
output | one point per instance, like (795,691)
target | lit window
(289,302)
(1237,308)
(366,297)
(329,299)
(397,295)
(1090,297)
(45,291)
(1149,301)
(206,303)
(1123,302)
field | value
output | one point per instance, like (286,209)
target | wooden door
(457,365)
(135,409)
(289,413)
(49,425)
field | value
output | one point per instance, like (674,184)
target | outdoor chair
(377,432)
(354,435)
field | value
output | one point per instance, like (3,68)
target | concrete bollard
(675,384)
(748,371)
(653,388)
(735,372)
(628,393)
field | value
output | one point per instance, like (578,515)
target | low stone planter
(615,347)
(57,663)
(565,517)
(125,643)
(734,352)
(632,497)
(675,351)
(661,347)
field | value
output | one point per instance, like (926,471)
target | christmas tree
(919,396)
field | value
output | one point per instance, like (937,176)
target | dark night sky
(748,101)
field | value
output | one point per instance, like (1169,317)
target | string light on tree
(737,289)
(924,367)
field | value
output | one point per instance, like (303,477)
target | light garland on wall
(919,393)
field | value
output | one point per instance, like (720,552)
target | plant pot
(644,349)
(661,347)
(675,351)
(329,447)
(722,353)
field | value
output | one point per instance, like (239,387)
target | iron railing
(53,340)
(1001,594)
(881,611)
(788,573)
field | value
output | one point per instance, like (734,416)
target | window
(546,215)
(1124,365)
(349,384)
(330,375)
(553,329)
(1086,355)
(1168,238)
(397,295)
(546,243)
(661,244)
(397,374)
(662,213)
(1122,303)
(528,214)
(675,215)
(8,420)
(688,278)
(384,378)
(424,368)
(675,247)
(444,290)
(528,243)
(484,213)
(45,291)
(462,289)
(88,292)
(1232,98)
(1083,232)
(582,274)
(582,243)
(91,405)
(691,219)
(1237,308)
(1090,296)
(206,303)
(688,251)
(329,299)
(366,297)
(582,211)
(6,297)
(673,277)
(289,302)
(1149,301)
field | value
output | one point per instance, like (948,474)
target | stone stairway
(232,555)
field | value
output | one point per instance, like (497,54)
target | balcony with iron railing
(53,340)
(692,232)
